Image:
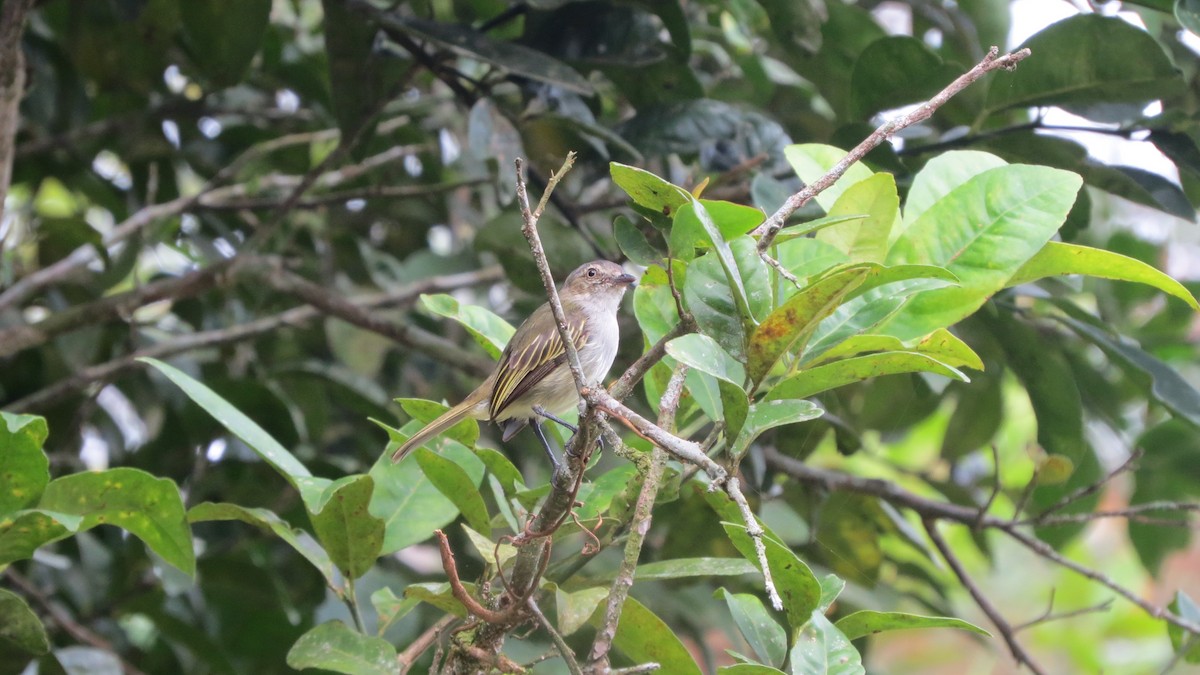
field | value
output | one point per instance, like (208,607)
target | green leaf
(1184,606)
(821,649)
(438,595)
(23,466)
(940,344)
(793,579)
(572,610)
(702,353)
(895,71)
(149,508)
(633,243)
(490,331)
(1097,60)
(648,190)
(810,161)
(831,587)
(345,527)
(515,58)
(23,532)
(864,240)
(694,567)
(502,468)
(390,608)
(867,622)
(224,35)
(645,638)
(1058,258)
(453,482)
(762,632)
(720,313)
(940,176)
(840,373)
(426,411)
(236,422)
(409,504)
(1187,13)
(983,231)
(767,415)
(360,76)
(807,228)
(488,550)
(788,328)
(1160,380)
(22,635)
(334,646)
(268,520)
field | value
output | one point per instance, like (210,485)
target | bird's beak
(625,279)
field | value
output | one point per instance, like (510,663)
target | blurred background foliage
(367,148)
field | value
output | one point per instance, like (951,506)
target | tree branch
(12,85)
(1002,625)
(775,222)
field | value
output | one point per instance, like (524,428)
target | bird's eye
(591,271)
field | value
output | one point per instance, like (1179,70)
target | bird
(532,380)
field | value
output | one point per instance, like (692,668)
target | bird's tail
(448,419)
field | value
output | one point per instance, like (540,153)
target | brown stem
(774,223)
(1002,625)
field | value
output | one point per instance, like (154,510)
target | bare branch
(1127,465)
(774,223)
(12,85)
(1002,625)
(413,651)
(560,644)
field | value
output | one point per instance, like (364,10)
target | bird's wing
(521,370)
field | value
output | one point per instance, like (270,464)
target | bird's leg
(542,412)
(537,429)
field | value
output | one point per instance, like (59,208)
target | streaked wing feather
(522,370)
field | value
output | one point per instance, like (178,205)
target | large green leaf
(648,190)
(224,35)
(766,415)
(821,649)
(940,176)
(572,610)
(895,71)
(1097,60)
(410,505)
(721,310)
(238,423)
(983,231)
(703,354)
(693,567)
(869,622)
(810,161)
(645,638)
(1058,258)
(345,527)
(335,647)
(789,327)
(864,240)
(839,373)
(149,508)
(425,411)
(764,634)
(1161,381)
(268,520)
(22,635)
(23,466)
(490,331)
(799,589)
(453,481)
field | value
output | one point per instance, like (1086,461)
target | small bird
(532,380)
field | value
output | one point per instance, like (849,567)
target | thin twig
(413,651)
(1002,625)
(1050,615)
(624,385)
(774,223)
(560,644)
(1067,500)
(460,592)
(639,527)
